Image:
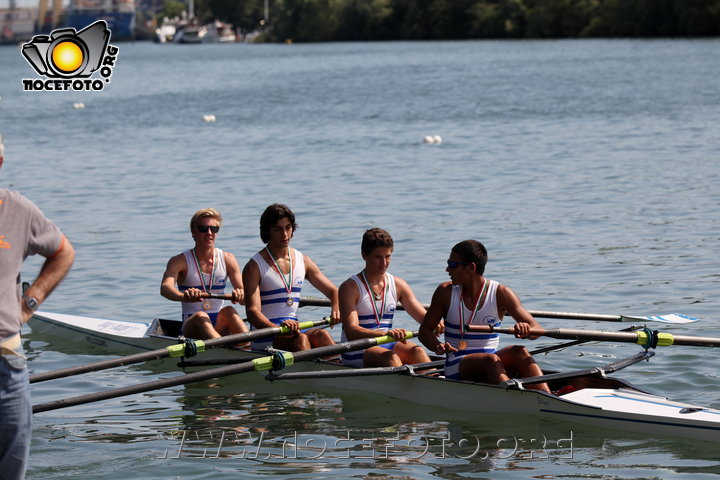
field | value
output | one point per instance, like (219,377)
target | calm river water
(590,170)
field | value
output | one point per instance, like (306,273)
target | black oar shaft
(97,366)
(696,341)
(145,387)
(565,333)
(259,364)
(642,337)
(166,352)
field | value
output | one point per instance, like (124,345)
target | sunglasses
(454,264)
(206,228)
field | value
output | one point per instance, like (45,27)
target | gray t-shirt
(24,231)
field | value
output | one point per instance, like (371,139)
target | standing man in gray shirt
(24,231)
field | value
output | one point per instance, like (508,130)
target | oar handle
(218,296)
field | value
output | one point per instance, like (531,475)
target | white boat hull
(115,337)
(598,401)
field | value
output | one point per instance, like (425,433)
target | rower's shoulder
(443,292)
(178,259)
(309,263)
(348,287)
(257,256)
(400,284)
(350,280)
(227,255)
(252,262)
(176,263)
(507,300)
(230,259)
(503,291)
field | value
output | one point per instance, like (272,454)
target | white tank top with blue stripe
(476,342)
(192,280)
(274,295)
(366,315)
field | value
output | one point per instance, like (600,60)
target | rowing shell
(597,400)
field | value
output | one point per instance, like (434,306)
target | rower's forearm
(171,293)
(428,338)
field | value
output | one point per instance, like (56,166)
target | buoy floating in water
(209,118)
(432,139)
(78,105)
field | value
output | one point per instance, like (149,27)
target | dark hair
(474,252)
(374,238)
(273,214)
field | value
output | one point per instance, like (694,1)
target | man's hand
(238,296)
(444,348)
(522,330)
(192,295)
(292,325)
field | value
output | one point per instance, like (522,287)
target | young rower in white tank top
(201,270)
(470,298)
(283,271)
(277,304)
(368,302)
(213,282)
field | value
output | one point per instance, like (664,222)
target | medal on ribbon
(462,344)
(374,297)
(206,304)
(287,283)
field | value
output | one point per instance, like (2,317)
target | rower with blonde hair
(205,269)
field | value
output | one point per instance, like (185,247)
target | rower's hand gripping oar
(646,337)
(273,362)
(186,349)
(668,318)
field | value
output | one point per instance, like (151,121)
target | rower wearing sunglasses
(273,280)
(471,299)
(205,269)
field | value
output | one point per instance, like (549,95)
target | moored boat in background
(118,14)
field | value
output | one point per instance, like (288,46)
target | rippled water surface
(589,169)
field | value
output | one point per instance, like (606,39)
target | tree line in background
(348,20)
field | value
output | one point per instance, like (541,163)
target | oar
(646,337)
(173,351)
(668,318)
(219,296)
(561,346)
(357,372)
(277,361)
